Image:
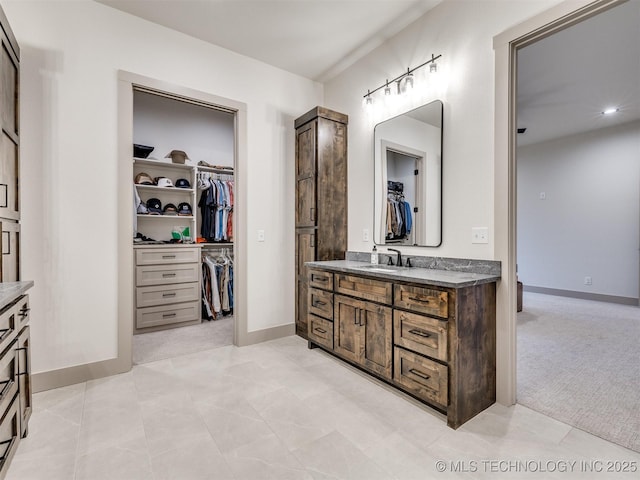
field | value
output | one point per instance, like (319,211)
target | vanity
(428,330)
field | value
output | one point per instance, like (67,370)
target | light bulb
(387,90)
(408,81)
(433,68)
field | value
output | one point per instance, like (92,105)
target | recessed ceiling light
(610,111)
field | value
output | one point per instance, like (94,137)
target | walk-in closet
(183,225)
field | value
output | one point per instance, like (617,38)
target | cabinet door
(346,327)
(24,364)
(376,330)
(10,246)
(306,175)
(9,141)
(305,252)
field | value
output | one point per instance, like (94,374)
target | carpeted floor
(149,347)
(579,362)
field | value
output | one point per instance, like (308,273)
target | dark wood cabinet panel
(321,196)
(346,327)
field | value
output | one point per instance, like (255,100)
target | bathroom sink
(380,268)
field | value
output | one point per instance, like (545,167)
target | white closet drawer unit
(165,315)
(166,294)
(161,275)
(160,256)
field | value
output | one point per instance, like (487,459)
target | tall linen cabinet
(321,196)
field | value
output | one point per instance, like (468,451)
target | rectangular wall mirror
(408,178)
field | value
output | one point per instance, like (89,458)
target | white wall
(462,31)
(70,54)
(589,222)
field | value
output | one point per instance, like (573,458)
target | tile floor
(280,411)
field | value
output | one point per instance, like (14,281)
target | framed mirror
(408,178)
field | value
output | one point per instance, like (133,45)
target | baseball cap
(154,206)
(143,179)
(142,209)
(164,182)
(170,209)
(183,183)
(184,209)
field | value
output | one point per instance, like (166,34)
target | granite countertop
(9,291)
(427,276)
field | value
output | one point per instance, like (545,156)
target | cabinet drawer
(8,374)
(421,334)
(367,288)
(9,432)
(166,315)
(8,325)
(320,279)
(422,300)
(160,275)
(160,256)
(166,294)
(321,303)
(22,311)
(320,331)
(421,376)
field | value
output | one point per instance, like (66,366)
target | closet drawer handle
(165,275)
(420,333)
(168,256)
(318,303)
(320,330)
(418,373)
(319,279)
(172,294)
(168,315)
(418,299)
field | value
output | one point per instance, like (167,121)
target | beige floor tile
(53,467)
(197,458)
(114,463)
(50,435)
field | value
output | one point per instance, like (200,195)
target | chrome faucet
(399,259)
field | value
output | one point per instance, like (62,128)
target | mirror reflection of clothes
(399,217)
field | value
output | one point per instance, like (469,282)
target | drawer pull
(319,303)
(7,386)
(23,313)
(319,279)
(168,256)
(418,373)
(320,330)
(172,294)
(164,275)
(418,299)
(168,315)
(420,333)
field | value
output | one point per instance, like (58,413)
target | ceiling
(314,38)
(567,80)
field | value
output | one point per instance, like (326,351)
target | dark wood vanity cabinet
(435,343)
(321,196)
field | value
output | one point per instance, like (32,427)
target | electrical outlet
(543,196)
(261,235)
(588,281)
(479,235)
(365,234)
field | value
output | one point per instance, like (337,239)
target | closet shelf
(216,244)
(179,217)
(214,170)
(165,189)
(159,164)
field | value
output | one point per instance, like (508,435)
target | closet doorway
(186,280)
(579,223)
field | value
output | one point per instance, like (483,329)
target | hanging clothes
(217,285)
(399,213)
(216,209)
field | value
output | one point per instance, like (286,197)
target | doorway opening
(578,222)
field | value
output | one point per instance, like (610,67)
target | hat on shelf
(164,182)
(154,206)
(170,209)
(143,179)
(177,156)
(184,209)
(141,151)
(183,183)
(142,209)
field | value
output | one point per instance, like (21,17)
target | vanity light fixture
(407,77)
(610,111)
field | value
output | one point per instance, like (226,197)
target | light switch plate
(261,235)
(365,234)
(479,235)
